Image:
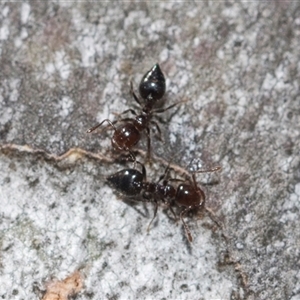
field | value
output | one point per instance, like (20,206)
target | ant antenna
(210,170)
(186,228)
(155,212)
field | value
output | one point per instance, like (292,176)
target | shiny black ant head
(128,182)
(153,85)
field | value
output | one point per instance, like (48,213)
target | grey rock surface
(66,66)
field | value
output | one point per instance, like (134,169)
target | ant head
(190,196)
(153,85)
(127,182)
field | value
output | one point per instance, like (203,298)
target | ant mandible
(152,88)
(132,183)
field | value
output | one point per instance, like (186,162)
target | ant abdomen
(152,86)
(128,182)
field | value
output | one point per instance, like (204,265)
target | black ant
(132,183)
(152,88)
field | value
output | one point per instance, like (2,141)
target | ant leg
(214,169)
(143,170)
(199,191)
(176,180)
(165,182)
(214,218)
(158,130)
(155,212)
(194,181)
(187,230)
(148,145)
(164,175)
(172,211)
(133,158)
(160,119)
(126,111)
(126,120)
(98,125)
(134,95)
(161,110)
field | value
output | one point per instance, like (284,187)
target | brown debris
(62,290)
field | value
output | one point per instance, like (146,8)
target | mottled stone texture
(66,66)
